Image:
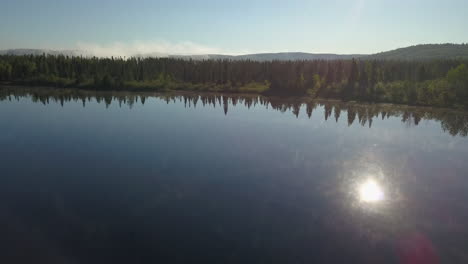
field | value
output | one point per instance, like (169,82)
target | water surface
(90,177)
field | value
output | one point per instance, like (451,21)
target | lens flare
(370,192)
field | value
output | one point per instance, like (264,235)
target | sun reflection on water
(370,192)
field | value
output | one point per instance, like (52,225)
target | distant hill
(425,52)
(284,56)
(20,52)
(418,52)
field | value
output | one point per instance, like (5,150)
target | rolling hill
(425,52)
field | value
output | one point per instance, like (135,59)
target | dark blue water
(127,178)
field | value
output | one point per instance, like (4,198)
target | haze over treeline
(419,52)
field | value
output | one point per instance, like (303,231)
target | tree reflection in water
(452,121)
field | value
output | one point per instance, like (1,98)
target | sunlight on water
(370,192)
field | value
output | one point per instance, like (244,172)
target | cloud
(154,48)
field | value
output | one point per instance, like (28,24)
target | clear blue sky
(339,26)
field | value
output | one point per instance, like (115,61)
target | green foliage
(24,69)
(5,71)
(255,87)
(458,82)
(458,74)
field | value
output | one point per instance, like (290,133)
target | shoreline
(304,99)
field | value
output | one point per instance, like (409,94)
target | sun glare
(370,192)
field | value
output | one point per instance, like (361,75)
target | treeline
(431,83)
(453,122)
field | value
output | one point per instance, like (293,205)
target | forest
(441,83)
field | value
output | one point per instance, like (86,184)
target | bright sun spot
(370,192)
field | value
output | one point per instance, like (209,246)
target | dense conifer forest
(425,82)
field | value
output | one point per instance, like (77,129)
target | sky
(118,27)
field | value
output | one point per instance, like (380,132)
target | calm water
(146,178)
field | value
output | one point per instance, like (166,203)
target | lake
(102,177)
